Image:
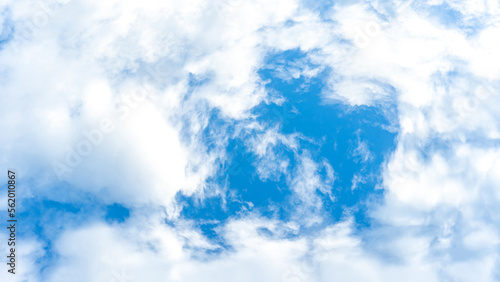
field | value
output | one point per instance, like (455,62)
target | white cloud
(439,218)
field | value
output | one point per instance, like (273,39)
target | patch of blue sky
(441,13)
(207,215)
(265,196)
(452,18)
(117,213)
(45,219)
(62,209)
(6,29)
(445,14)
(341,127)
(322,7)
(332,132)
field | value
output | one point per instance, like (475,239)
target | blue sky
(354,141)
(252,140)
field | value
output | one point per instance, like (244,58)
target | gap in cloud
(6,28)
(445,15)
(353,140)
(340,128)
(321,7)
(46,217)
(450,17)
(117,213)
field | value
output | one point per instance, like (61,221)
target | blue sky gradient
(330,131)
(287,140)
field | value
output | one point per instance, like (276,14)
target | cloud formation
(138,103)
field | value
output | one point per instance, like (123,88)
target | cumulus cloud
(116,100)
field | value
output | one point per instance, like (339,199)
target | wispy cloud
(136,103)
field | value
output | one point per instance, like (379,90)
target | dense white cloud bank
(99,96)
